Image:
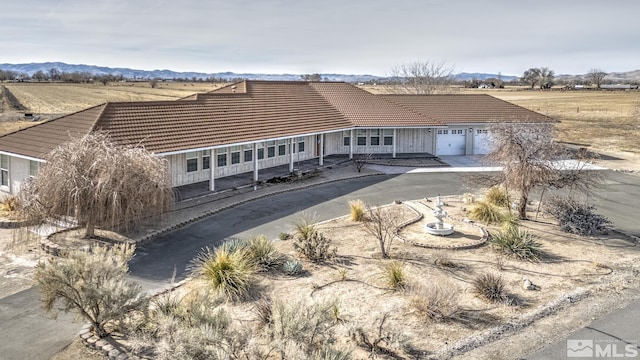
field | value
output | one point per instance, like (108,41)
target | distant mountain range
(128,73)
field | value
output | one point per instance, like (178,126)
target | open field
(50,100)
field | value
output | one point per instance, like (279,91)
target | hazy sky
(324,36)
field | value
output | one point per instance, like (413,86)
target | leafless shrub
(383,225)
(377,339)
(99,183)
(420,77)
(359,161)
(577,218)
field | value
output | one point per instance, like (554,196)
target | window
(222,160)
(248,155)
(362,137)
(482,131)
(192,161)
(206,159)
(458,131)
(235,157)
(346,138)
(388,136)
(260,153)
(375,137)
(282,147)
(34,166)
(271,149)
(443,132)
(4,170)
(301,144)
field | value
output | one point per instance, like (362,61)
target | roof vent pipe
(233,89)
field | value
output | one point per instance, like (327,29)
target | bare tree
(382,223)
(531,77)
(531,158)
(420,77)
(311,77)
(93,284)
(546,78)
(538,76)
(98,183)
(596,76)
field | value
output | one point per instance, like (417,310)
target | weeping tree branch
(99,183)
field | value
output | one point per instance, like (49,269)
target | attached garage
(451,141)
(481,142)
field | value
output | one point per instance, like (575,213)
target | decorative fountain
(439,227)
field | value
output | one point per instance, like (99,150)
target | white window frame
(206,159)
(4,170)
(34,168)
(190,157)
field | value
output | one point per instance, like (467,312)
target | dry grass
(56,98)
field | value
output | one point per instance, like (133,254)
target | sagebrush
(437,303)
(490,287)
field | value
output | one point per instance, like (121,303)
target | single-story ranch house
(252,125)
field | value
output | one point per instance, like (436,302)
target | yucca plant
(510,221)
(229,273)
(394,274)
(490,287)
(517,242)
(263,254)
(305,226)
(486,213)
(498,196)
(357,210)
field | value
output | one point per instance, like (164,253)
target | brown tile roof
(258,110)
(365,109)
(465,109)
(38,140)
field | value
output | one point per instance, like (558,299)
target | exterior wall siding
(180,176)
(18,174)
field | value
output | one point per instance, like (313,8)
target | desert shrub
(304,226)
(517,242)
(284,236)
(190,326)
(314,246)
(93,284)
(577,218)
(498,196)
(394,274)
(490,287)
(436,303)
(263,254)
(229,273)
(510,221)
(263,309)
(378,339)
(357,210)
(486,213)
(10,204)
(443,259)
(299,327)
(232,245)
(330,353)
(292,267)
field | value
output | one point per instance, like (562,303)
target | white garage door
(481,142)
(450,142)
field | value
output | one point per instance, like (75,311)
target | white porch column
(255,162)
(394,143)
(291,142)
(321,161)
(212,167)
(351,143)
